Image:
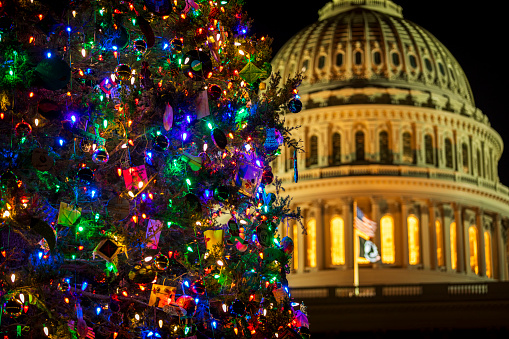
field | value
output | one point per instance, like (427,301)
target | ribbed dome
(367,44)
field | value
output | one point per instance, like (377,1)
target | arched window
(472,241)
(448,153)
(305,65)
(387,239)
(336,149)
(414,250)
(464,154)
(337,236)
(487,254)
(358,58)
(454,246)
(295,239)
(339,59)
(395,58)
(383,140)
(377,58)
(428,149)
(440,244)
(313,151)
(311,243)
(359,146)
(479,164)
(408,154)
(321,62)
(413,61)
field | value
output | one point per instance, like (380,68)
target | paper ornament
(45,230)
(248,178)
(271,140)
(250,73)
(202,105)
(166,295)
(54,73)
(41,160)
(67,214)
(134,175)
(153,233)
(108,249)
(213,238)
(280,294)
(107,85)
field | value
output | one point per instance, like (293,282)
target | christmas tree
(135,147)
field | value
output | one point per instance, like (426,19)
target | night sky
(475,34)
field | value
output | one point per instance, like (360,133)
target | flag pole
(355,251)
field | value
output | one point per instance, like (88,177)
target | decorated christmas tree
(135,147)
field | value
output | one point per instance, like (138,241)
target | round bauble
(295,105)
(140,46)
(264,235)
(85,175)
(41,160)
(13,308)
(198,65)
(86,145)
(187,303)
(118,208)
(123,72)
(237,308)
(54,73)
(267,177)
(161,143)
(198,287)
(287,245)
(100,156)
(64,285)
(215,92)
(23,129)
(121,37)
(176,46)
(221,193)
(161,262)
(219,138)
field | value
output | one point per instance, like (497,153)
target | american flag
(364,225)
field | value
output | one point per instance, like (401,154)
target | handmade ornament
(161,262)
(300,319)
(54,73)
(23,129)
(287,245)
(264,235)
(85,175)
(237,308)
(13,307)
(159,7)
(153,233)
(162,295)
(49,109)
(141,46)
(202,105)
(294,105)
(219,138)
(64,285)
(221,193)
(198,287)
(142,273)
(118,208)
(161,143)
(248,178)
(272,139)
(107,85)
(233,228)
(145,76)
(134,175)
(187,303)
(168,117)
(108,249)
(197,65)
(85,145)
(67,214)
(81,326)
(41,160)
(193,161)
(280,294)
(147,31)
(100,156)
(48,233)
(214,240)
(123,72)
(304,332)
(215,92)
(250,73)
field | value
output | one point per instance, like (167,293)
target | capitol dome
(389,124)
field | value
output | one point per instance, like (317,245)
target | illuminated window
(337,235)
(448,153)
(387,239)
(311,243)
(454,248)
(428,149)
(464,154)
(472,240)
(313,151)
(487,254)
(408,155)
(383,139)
(414,255)
(440,244)
(295,247)
(359,146)
(336,149)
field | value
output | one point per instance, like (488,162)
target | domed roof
(368,44)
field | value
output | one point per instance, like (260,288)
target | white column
(499,249)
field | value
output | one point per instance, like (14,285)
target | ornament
(159,7)
(145,75)
(194,205)
(304,332)
(123,72)
(272,139)
(267,177)
(67,214)
(85,175)
(248,178)
(121,35)
(168,117)
(214,240)
(133,176)
(45,230)
(194,162)
(147,31)
(86,145)
(142,273)
(294,105)
(250,73)
(23,129)
(198,65)
(108,249)
(176,46)
(287,245)
(141,46)
(267,70)
(198,287)
(221,193)
(13,308)
(202,105)
(300,319)
(41,160)
(64,285)
(114,304)
(264,235)
(153,233)
(215,92)
(100,156)
(54,73)
(161,143)
(118,208)
(161,262)
(237,308)
(233,228)
(166,295)
(219,138)
(187,303)
(49,109)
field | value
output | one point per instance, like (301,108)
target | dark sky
(475,34)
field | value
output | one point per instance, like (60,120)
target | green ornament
(250,73)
